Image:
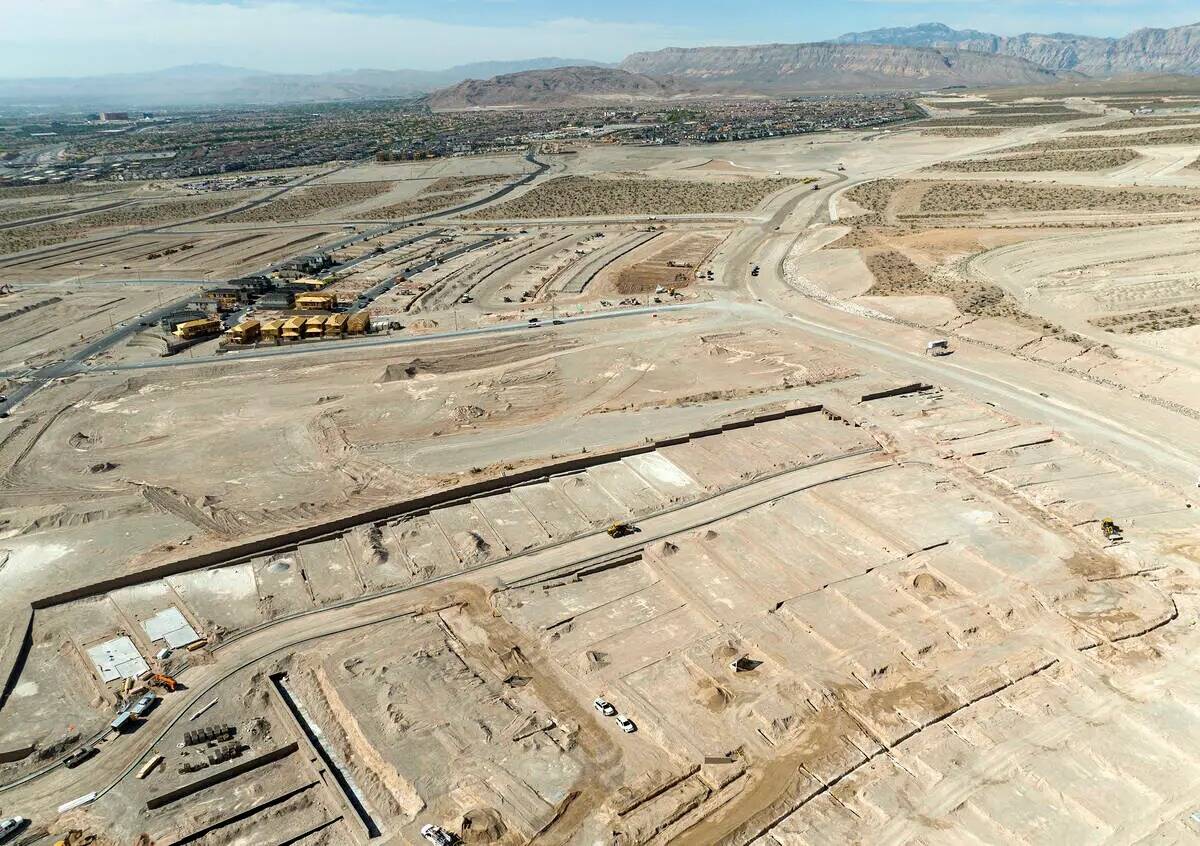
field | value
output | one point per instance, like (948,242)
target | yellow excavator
(620,530)
(1111,530)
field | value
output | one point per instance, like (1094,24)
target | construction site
(835,488)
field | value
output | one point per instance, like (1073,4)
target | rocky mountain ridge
(1151,50)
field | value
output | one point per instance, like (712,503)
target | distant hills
(570,86)
(1175,50)
(213,85)
(835,67)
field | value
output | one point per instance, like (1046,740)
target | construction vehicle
(163,681)
(937,347)
(1111,530)
(620,530)
(437,835)
(9,827)
(78,757)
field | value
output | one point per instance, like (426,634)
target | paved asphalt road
(389,340)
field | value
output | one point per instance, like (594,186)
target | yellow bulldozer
(620,530)
(1111,530)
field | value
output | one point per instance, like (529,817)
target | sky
(90,37)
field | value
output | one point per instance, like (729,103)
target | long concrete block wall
(16,649)
(277,754)
(419,505)
(14,658)
(245,814)
(915,387)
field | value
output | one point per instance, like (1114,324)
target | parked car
(144,705)
(605,707)
(9,827)
(437,835)
(627,725)
(78,757)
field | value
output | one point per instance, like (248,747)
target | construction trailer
(316,302)
(335,326)
(203,328)
(314,327)
(293,328)
(359,323)
(271,330)
(246,332)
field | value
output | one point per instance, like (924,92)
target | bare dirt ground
(869,596)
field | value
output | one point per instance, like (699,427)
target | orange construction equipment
(159,680)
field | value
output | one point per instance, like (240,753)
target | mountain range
(930,55)
(782,68)
(1174,50)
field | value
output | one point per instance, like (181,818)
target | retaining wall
(419,505)
(212,779)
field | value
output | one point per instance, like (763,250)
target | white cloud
(86,37)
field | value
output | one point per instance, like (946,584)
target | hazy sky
(83,37)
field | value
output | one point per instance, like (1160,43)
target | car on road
(10,826)
(78,757)
(627,725)
(437,835)
(144,705)
(604,707)
(557,322)
(534,321)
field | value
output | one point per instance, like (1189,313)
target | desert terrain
(856,470)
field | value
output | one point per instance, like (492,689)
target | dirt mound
(482,825)
(592,661)
(714,697)
(81,441)
(398,373)
(471,546)
(929,584)
(466,413)
(379,553)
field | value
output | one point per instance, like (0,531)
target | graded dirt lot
(860,483)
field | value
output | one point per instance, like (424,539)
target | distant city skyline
(90,37)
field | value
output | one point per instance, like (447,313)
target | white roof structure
(169,625)
(117,659)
